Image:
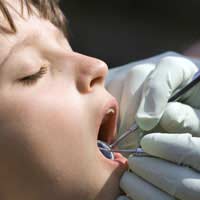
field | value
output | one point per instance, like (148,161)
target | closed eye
(30,80)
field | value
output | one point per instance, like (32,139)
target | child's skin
(49,128)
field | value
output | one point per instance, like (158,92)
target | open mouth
(107,128)
(108,125)
(107,133)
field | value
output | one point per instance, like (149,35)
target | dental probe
(135,152)
(175,97)
(133,128)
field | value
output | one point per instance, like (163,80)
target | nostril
(98,80)
(90,72)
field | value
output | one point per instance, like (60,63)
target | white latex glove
(174,176)
(170,74)
(160,178)
(149,86)
(125,84)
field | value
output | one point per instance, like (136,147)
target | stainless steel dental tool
(107,150)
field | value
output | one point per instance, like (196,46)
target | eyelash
(30,80)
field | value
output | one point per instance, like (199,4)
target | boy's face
(49,126)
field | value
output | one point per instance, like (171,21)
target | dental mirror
(105,149)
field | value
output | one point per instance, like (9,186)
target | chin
(110,188)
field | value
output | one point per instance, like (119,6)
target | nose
(89,72)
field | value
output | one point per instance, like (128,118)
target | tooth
(111,110)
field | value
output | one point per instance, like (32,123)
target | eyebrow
(26,42)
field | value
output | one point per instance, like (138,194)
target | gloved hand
(174,176)
(125,84)
(143,89)
(149,86)
(171,74)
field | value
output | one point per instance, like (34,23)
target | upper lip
(107,125)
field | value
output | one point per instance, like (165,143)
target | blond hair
(47,9)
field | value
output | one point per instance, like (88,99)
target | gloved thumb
(171,73)
(180,118)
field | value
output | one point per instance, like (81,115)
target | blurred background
(119,32)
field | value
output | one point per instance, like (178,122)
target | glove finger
(137,188)
(123,198)
(181,118)
(182,149)
(178,181)
(170,74)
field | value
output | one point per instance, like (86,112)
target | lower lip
(121,160)
(118,158)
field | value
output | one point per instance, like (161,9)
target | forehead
(31,30)
(33,27)
(26,24)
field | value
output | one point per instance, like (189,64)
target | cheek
(52,131)
(50,122)
(42,113)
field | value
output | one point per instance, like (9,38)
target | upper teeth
(111,110)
